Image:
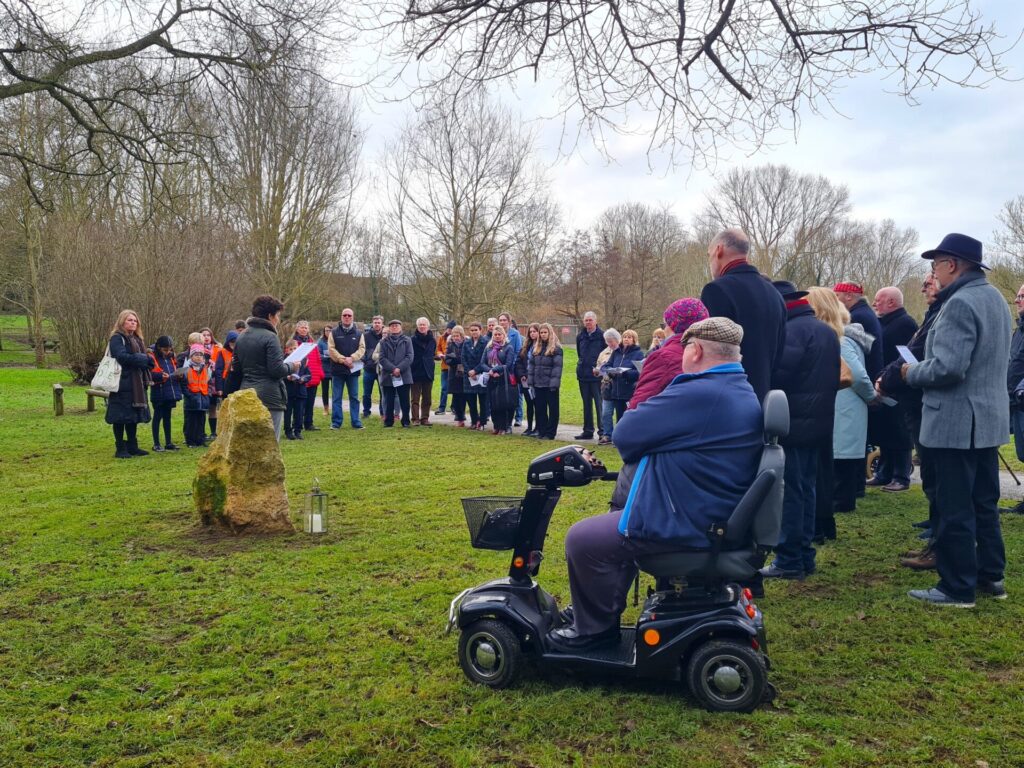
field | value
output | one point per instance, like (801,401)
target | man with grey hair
(741,293)
(888,424)
(690,453)
(589,344)
(346,348)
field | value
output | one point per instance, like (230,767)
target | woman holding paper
(259,363)
(475,383)
(502,388)
(622,377)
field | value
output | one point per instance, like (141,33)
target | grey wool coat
(963,375)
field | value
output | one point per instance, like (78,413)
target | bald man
(889,425)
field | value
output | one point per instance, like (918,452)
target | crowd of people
(855,375)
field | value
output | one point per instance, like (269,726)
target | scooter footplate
(617,656)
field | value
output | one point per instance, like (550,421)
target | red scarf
(731,265)
(797,303)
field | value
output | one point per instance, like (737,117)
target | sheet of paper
(906,354)
(356,367)
(396,381)
(301,353)
(887,401)
(639,365)
(480,380)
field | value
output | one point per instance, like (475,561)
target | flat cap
(394,322)
(720,329)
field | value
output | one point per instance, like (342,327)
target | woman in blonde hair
(850,429)
(544,373)
(128,407)
(657,339)
(622,377)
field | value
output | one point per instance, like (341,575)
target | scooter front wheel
(490,654)
(727,676)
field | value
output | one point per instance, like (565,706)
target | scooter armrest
(611,476)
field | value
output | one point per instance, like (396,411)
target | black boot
(133,448)
(121,451)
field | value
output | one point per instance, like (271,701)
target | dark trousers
(824,495)
(294,415)
(912,417)
(195,428)
(1017,428)
(459,406)
(601,565)
(531,408)
(369,379)
(894,466)
(590,391)
(162,411)
(968,543)
(308,406)
(402,395)
(477,402)
(325,392)
(848,473)
(547,412)
(421,396)
(795,551)
(126,435)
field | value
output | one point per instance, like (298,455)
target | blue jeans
(350,380)
(607,409)
(795,552)
(369,378)
(444,391)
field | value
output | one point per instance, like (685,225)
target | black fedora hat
(788,290)
(959,246)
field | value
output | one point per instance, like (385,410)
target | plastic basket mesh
(492,521)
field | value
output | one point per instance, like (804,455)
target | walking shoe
(1015,510)
(134,450)
(298,435)
(774,572)
(517,424)
(334,427)
(122,453)
(605,440)
(584,436)
(895,487)
(366,414)
(289,435)
(358,426)
(439,412)
(925,534)
(170,447)
(923,562)
(993,589)
(874,482)
(158,448)
(936,596)
(922,524)
(312,429)
(425,423)
(568,640)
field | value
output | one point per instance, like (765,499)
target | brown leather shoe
(925,562)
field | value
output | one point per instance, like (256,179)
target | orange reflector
(652,637)
(518,562)
(747,593)
(751,611)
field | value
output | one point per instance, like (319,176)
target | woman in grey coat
(544,374)
(394,364)
(259,363)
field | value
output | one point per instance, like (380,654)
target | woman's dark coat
(865,315)
(888,423)
(808,372)
(453,359)
(166,385)
(501,392)
(120,408)
(623,385)
(473,360)
(259,364)
(545,371)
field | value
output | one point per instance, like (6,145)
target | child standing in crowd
(165,392)
(213,349)
(222,366)
(544,370)
(197,396)
(473,363)
(456,374)
(522,373)
(295,383)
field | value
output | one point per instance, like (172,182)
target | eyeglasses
(1020,297)
(346,314)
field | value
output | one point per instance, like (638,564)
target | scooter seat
(691,566)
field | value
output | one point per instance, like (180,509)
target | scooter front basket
(492,521)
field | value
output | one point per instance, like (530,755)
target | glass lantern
(315,518)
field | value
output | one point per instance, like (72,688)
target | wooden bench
(92,394)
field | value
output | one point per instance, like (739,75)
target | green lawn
(17,342)
(131,637)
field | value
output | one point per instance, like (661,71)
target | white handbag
(108,374)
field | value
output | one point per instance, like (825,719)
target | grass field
(17,342)
(129,636)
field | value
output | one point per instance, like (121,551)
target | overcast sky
(946,165)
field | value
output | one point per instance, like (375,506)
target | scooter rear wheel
(727,676)
(490,654)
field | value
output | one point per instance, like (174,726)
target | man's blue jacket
(697,446)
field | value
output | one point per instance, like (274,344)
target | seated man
(689,453)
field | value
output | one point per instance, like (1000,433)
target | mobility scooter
(697,626)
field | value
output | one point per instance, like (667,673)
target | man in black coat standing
(745,296)
(1014,378)
(589,343)
(890,431)
(808,372)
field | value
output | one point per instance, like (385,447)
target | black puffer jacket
(808,372)
(259,364)
(545,371)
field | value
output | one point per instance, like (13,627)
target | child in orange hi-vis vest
(197,396)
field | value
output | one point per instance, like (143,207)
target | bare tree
(461,190)
(115,68)
(709,70)
(1010,237)
(290,158)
